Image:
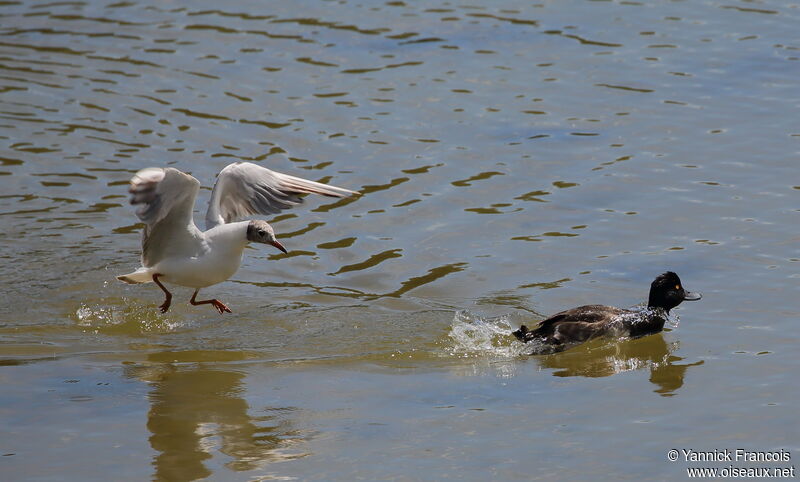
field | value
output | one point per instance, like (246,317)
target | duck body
(583,323)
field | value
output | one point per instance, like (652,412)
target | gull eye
(261,232)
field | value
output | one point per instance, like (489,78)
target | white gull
(175,251)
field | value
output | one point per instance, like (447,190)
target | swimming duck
(577,325)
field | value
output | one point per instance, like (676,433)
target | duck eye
(677,287)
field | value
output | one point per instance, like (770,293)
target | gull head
(259,231)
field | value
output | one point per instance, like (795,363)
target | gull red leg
(220,306)
(164,306)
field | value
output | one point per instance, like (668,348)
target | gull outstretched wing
(243,189)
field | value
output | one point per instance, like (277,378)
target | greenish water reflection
(197,410)
(603,358)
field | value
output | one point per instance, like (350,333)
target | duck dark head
(259,231)
(667,292)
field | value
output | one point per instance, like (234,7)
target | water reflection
(603,359)
(196,413)
(433,274)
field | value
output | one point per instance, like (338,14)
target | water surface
(514,159)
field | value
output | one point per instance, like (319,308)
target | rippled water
(514,159)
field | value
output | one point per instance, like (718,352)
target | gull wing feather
(243,189)
(166,196)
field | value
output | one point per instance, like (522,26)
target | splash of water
(673,320)
(641,313)
(474,336)
(127,317)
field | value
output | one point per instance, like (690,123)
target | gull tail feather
(141,275)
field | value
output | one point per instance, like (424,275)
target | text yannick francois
(736,455)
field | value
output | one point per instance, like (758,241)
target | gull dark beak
(691,296)
(278,245)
